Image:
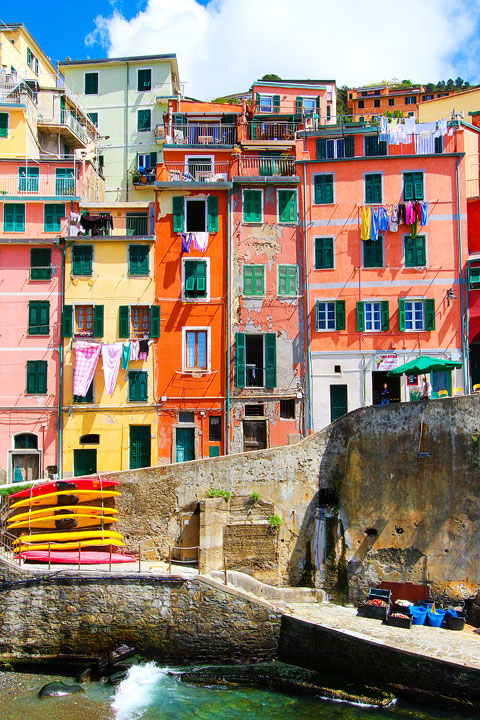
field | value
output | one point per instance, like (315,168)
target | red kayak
(91,557)
(65,485)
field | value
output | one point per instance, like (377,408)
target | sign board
(385,362)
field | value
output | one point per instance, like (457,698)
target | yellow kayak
(69,545)
(64,521)
(77,509)
(59,536)
(64,499)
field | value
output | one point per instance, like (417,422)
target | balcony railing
(473,188)
(130,224)
(271,130)
(32,186)
(196,171)
(60,117)
(268,166)
(201,134)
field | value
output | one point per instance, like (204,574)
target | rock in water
(57,689)
(84,676)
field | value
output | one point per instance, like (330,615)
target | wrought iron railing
(197,171)
(267,165)
(271,130)
(201,134)
(49,185)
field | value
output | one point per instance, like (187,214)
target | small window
(144,120)
(324,259)
(195,350)
(372,316)
(287,409)
(215,428)
(413,186)
(82,260)
(254,280)
(361,104)
(39,317)
(309,106)
(84,320)
(196,215)
(474,278)
(252,206)
(53,215)
(91,83)
(88,398)
(330,315)
(138,260)
(185,416)
(195,273)
(3,125)
(137,386)
(287,280)
(425,98)
(257,410)
(337,369)
(415,251)
(90,439)
(40,264)
(416,314)
(266,103)
(376,103)
(391,102)
(140,320)
(373,253)
(94,118)
(411,100)
(144,79)
(323,186)
(36,377)
(287,206)
(13,217)
(373,188)
(25,441)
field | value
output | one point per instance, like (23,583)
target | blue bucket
(419,614)
(436,619)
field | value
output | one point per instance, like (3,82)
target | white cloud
(226,45)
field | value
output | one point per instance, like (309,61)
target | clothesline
(199,241)
(384,218)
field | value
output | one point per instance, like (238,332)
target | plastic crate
(373,611)
(405,623)
(454,623)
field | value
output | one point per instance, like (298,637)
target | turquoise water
(149,692)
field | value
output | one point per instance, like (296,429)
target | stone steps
(286,595)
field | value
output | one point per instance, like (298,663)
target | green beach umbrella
(425,364)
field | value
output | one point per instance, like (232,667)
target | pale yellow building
(465,102)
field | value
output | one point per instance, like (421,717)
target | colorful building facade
(370,100)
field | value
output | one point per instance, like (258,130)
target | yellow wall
(15,54)
(15,144)
(109,416)
(443,107)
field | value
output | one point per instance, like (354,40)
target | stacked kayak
(56,522)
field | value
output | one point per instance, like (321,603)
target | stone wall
(176,620)
(252,549)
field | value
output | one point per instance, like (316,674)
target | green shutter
(144,120)
(298,105)
(53,214)
(153,159)
(82,260)
(323,189)
(421,250)
(212,213)
(36,377)
(287,279)
(408,192)
(31,377)
(178,214)
(3,125)
(340,319)
(270,360)
(360,317)
(418,186)
(439,144)
(41,377)
(144,79)
(253,279)
(98,321)
(40,264)
(287,206)
(409,252)
(137,385)
(123,329)
(240,351)
(317,102)
(39,317)
(415,251)
(252,206)
(201,278)
(276,103)
(138,260)
(257,100)
(67,321)
(349,147)
(155,321)
(321,149)
(401,315)
(14,217)
(430,314)
(323,253)
(385,315)
(373,189)
(91,83)
(373,253)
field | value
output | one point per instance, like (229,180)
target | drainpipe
(308,357)
(460,272)
(229,236)
(126,131)
(467,328)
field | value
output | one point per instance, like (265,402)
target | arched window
(26,441)
(91,439)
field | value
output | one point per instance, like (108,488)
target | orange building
(364,102)
(373,305)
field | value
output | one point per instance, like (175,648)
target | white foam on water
(134,694)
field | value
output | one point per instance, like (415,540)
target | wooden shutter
(40,263)
(240,363)
(298,105)
(287,206)
(123,329)
(98,321)
(409,252)
(132,384)
(276,103)
(201,278)
(31,377)
(3,125)
(212,213)
(189,275)
(153,159)
(178,214)
(67,321)
(417,186)
(408,192)
(321,149)
(385,315)
(44,317)
(401,315)
(257,205)
(317,102)
(421,250)
(155,321)
(270,360)
(360,317)
(142,386)
(430,314)
(328,252)
(368,189)
(257,101)
(340,319)
(41,377)
(323,189)
(349,147)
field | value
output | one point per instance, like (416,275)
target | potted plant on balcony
(135,176)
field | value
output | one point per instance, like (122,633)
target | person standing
(385,395)
(426,389)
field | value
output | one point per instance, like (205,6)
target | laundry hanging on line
(86,359)
(111,355)
(388,217)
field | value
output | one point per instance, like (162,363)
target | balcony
(143,178)
(267,166)
(201,134)
(281,131)
(65,122)
(194,172)
(114,224)
(40,186)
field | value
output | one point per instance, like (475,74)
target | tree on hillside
(441,85)
(466,85)
(270,76)
(342,100)
(459,82)
(450,84)
(407,82)
(430,87)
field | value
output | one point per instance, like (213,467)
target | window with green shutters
(415,251)
(81,321)
(212,213)
(474,278)
(39,317)
(287,280)
(138,260)
(64,181)
(94,118)
(414,315)
(144,79)
(28,178)
(13,217)
(373,253)
(373,316)
(82,260)
(374,146)
(270,360)
(323,189)
(330,315)
(195,273)
(144,120)
(88,398)
(52,217)
(178,213)
(287,206)
(91,83)
(413,186)
(137,386)
(373,188)
(324,259)
(252,206)
(139,321)
(40,264)
(254,279)
(3,125)
(36,377)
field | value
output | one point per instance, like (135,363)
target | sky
(222,46)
